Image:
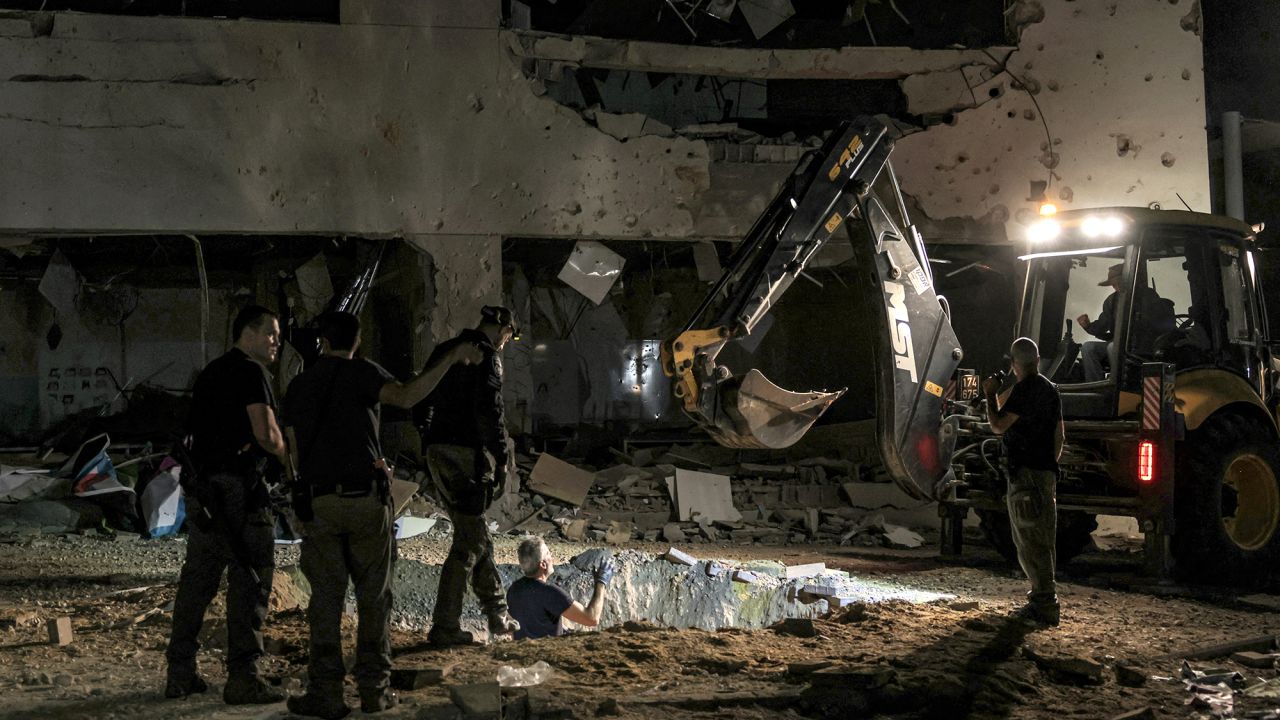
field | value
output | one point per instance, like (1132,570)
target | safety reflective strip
(1151,402)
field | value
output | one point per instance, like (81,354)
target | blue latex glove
(605,571)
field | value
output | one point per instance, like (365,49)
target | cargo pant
(209,553)
(349,538)
(464,481)
(1033,515)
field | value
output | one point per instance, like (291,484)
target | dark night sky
(1242,72)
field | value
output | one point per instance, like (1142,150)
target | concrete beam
(850,63)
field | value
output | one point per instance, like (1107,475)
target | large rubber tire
(1074,534)
(1227,503)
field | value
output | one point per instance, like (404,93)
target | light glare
(1043,231)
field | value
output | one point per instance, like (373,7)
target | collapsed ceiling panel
(774,23)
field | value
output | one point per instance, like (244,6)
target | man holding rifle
(234,435)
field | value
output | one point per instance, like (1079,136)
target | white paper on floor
(408,526)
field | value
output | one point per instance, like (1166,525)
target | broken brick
(59,631)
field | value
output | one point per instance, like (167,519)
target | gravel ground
(953,657)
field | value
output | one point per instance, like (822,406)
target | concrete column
(1232,165)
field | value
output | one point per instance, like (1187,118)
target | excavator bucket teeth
(755,413)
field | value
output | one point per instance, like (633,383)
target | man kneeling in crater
(539,606)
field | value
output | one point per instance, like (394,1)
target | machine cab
(1110,289)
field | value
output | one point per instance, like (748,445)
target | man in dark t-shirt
(1029,416)
(233,429)
(332,416)
(538,605)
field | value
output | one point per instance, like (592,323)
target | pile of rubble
(695,494)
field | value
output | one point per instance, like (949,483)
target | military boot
(250,690)
(182,682)
(501,623)
(445,637)
(373,700)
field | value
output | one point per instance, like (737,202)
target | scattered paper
(409,526)
(902,537)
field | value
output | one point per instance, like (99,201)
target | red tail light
(1146,461)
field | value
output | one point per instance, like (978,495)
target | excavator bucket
(755,413)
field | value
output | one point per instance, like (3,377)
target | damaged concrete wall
(420,123)
(147,124)
(157,345)
(1121,88)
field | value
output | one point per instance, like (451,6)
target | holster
(300,496)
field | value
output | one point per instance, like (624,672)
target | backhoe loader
(1173,423)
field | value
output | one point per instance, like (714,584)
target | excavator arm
(833,189)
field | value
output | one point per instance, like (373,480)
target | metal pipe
(1232,165)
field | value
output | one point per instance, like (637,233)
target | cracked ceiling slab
(850,63)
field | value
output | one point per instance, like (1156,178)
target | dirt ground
(1120,647)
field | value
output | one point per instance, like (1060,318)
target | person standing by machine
(1029,417)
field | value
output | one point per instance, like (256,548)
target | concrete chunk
(1254,659)
(805,571)
(680,558)
(745,576)
(481,701)
(823,591)
(1070,669)
(59,631)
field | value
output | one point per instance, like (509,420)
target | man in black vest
(233,434)
(332,416)
(466,446)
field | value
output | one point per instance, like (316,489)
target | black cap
(501,315)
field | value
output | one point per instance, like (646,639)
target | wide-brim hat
(1115,272)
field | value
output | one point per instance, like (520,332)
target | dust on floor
(1116,650)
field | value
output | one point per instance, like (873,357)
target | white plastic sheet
(592,269)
